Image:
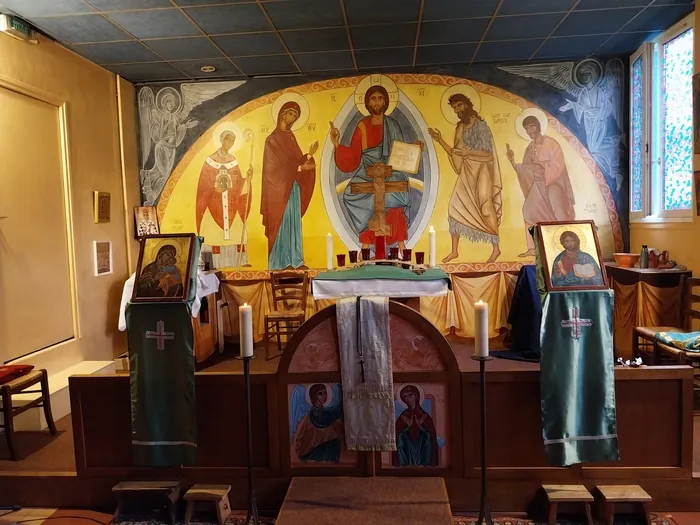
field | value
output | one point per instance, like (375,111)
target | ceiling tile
(523,26)
(364,12)
(571,46)
(81,28)
(397,56)
(159,23)
(230,18)
(299,14)
(514,50)
(449,31)
(321,61)
(523,7)
(624,43)
(150,71)
(449,9)
(269,65)
(331,39)
(184,48)
(449,54)
(658,18)
(390,35)
(193,68)
(607,4)
(250,44)
(665,2)
(31,8)
(116,52)
(118,5)
(596,22)
(205,2)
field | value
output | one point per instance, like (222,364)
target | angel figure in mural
(597,97)
(474,210)
(164,122)
(288,180)
(542,175)
(315,423)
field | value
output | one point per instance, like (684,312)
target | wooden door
(35,284)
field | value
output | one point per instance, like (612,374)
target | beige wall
(681,239)
(95,163)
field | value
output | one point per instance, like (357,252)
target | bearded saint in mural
(288,183)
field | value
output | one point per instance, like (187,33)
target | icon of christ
(368,152)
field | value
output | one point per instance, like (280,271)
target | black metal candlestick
(253,518)
(484,511)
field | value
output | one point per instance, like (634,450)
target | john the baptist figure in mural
(288,180)
(542,175)
(475,206)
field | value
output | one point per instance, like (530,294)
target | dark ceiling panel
(150,71)
(33,8)
(449,31)
(658,18)
(364,12)
(118,5)
(250,44)
(448,54)
(513,50)
(523,7)
(301,14)
(223,66)
(184,48)
(185,3)
(240,18)
(268,65)
(396,56)
(449,9)
(607,4)
(389,35)
(523,26)
(624,43)
(570,46)
(116,52)
(596,22)
(159,23)
(332,39)
(82,28)
(324,61)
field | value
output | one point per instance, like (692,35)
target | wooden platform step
(612,494)
(567,494)
(380,500)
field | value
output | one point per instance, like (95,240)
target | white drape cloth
(368,407)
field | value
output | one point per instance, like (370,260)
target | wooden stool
(567,494)
(137,495)
(20,385)
(623,494)
(218,494)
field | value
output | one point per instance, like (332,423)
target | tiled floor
(26,515)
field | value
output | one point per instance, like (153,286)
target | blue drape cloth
(524,317)
(690,342)
(577,378)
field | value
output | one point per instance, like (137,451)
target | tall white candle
(432,255)
(245,328)
(481,328)
(329,251)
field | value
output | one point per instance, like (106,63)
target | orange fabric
(10,372)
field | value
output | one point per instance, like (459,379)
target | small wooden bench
(612,494)
(208,494)
(143,496)
(567,494)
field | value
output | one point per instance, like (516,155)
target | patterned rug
(656,519)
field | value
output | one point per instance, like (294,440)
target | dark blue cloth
(524,318)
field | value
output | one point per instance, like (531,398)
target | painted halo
(329,389)
(400,387)
(172,92)
(174,244)
(588,62)
(374,80)
(466,90)
(290,96)
(572,228)
(233,128)
(531,112)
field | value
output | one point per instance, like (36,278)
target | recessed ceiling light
(208,69)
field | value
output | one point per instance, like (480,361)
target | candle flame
(431,229)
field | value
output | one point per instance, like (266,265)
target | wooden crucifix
(379,172)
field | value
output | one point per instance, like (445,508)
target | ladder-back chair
(289,295)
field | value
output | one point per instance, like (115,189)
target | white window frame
(652,174)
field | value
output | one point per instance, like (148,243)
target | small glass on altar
(365,254)
(393,253)
(353,256)
(341,259)
(406,255)
(420,257)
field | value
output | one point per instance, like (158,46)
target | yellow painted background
(500,114)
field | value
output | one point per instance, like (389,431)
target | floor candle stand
(484,510)
(253,518)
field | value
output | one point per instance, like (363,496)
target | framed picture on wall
(163,269)
(145,221)
(103,258)
(570,255)
(101,205)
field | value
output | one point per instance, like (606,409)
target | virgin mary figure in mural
(288,179)
(416,438)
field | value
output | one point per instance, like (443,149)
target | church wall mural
(264,169)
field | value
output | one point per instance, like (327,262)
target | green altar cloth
(376,271)
(577,378)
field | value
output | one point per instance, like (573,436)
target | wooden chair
(289,294)
(9,412)
(686,314)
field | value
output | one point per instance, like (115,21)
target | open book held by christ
(404,157)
